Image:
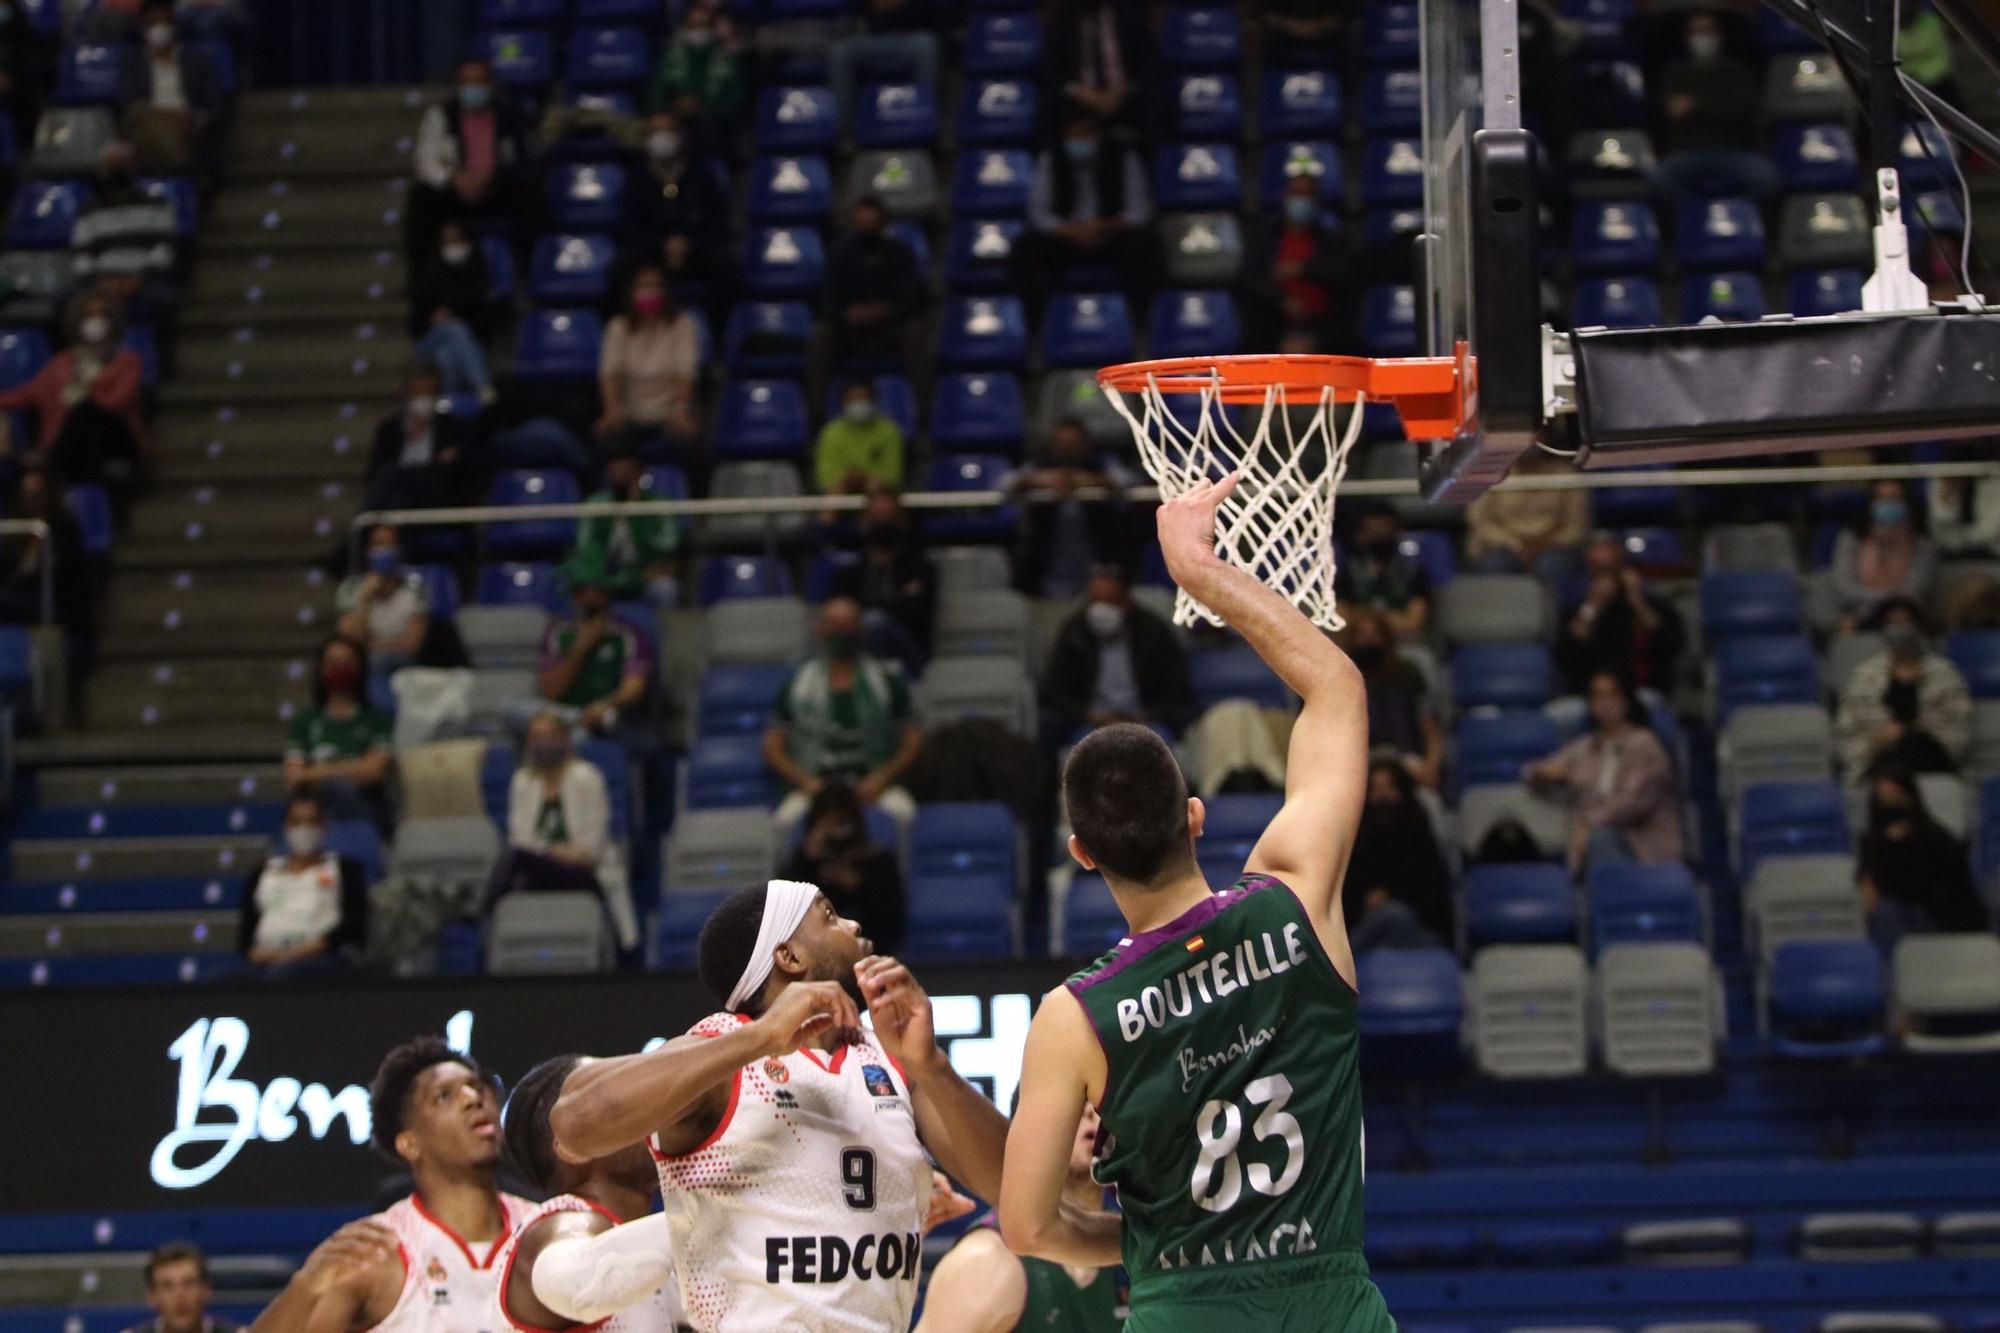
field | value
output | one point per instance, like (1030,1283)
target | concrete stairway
(290,346)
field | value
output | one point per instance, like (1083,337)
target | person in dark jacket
(1096,62)
(1303,275)
(1069,538)
(674,191)
(1088,208)
(1115,661)
(470,160)
(860,876)
(872,300)
(419,459)
(307,910)
(1397,894)
(453,282)
(169,98)
(1915,876)
(1623,628)
(895,582)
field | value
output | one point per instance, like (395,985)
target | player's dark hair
(176,1252)
(527,1141)
(1127,801)
(727,938)
(389,1094)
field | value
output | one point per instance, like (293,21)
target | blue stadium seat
(1502,675)
(440,587)
(87,75)
(610,57)
(1197,323)
(571,269)
(829,564)
(502,12)
(724,771)
(603,101)
(727,576)
(359,839)
(1612,94)
(1432,550)
(1616,303)
(1495,747)
(911,233)
(1235,673)
(978,413)
(1390,226)
(737,700)
(959,916)
(584,196)
(616,11)
(532,486)
(1087,329)
(784,261)
(558,345)
(1764,669)
(1789,819)
(679,929)
(91,508)
(1528,903)
(1924,158)
(1654,548)
(991,183)
(520,583)
(790,189)
(1614,237)
(1235,820)
(1417,1246)
(895,115)
(1302,102)
(1002,44)
(1644,904)
(1550,1244)
(145,342)
(17,662)
(1602,24)
(1319,159)
(23,352)
(1392,172)
(1190,178)
(1735,603)
(1733,298)
(1778,34)
(983,332)
(1825,1000)
(1816,157)
(761,419)
(1976,654)
(1938,213)
(180,194)
(956,837)
(1389,320)
(1092,922)
(1201,38)
(979,254)
(523,59)
(767,337)
(44,214)
(1411,1007)
(792,119)
(1716,234)
(1392,102)
(499,257)
(1207,104)
(969,472)
(1389,33)
(998,112)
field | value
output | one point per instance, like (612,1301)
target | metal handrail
(35,527)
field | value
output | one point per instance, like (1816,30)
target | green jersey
(1056,1304)
(1233,1110)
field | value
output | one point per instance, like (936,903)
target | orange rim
(1426,390)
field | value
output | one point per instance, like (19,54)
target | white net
(1278,522)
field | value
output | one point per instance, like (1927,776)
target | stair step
(302,231)
(222,552)
(286,277)
(278,205)
(332,105)
(197,690)
(186,784)
(248,742)
(338,352)
(288,313)
(277,509)
(197,601)
(118,933)
(379,387)
(125,858)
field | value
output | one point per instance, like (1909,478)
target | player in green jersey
(1218,1039)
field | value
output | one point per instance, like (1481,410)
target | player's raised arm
(1058,1068)
(359,1257)
(976,1288)
(1326,773)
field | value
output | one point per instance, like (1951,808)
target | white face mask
(858,410)
(457,252)
(698,37)
(1704,46)
(1104,619)
(160,36)
(423,407)
(304,839)
(94,329)
(663,144)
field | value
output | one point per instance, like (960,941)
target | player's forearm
(1085,1238)
(288,1313)
(1292,646)
(607,1105)
(961,1128)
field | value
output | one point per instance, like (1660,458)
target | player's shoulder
(717,1024)
(519,1210)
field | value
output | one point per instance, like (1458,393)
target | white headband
(786,903)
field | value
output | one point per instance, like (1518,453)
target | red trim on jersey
(417,1202)
(507,1270)
(830,1066)
(898,1066)
(728,1114)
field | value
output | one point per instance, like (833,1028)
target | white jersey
(447,1285)
(658,1313)
(804,1210)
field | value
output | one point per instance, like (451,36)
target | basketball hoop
(1278,523)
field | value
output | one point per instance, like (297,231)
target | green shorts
(1316,1293)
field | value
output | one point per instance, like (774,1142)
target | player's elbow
(576,1123)
(1025,1233)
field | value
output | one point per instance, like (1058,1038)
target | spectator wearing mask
(1888,557)
(1401,719)
(1528,532)
(1915,877)
(892,33)
(1623,628)
(169,99)
(559,826)
(1965,516)
(452,318)
(1304,275)
(341,745)
(632,553)
(178,1292)
(675,204)
(1397,891)
(1708,135)
(418,459)
(860,876)
(1068,538)
(861,447)
(699,78)
(1376,574)
(469,154)
(595,663)
(843,717)
(386,607)
(646,371)
(1088,208)
(128,241)
(86,400)
(307,910)
(872,300)
(1115,661)
(895,583)
(1098,57)
(1624,803)
(28,562)
(1905,709)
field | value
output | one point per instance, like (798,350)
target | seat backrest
(561,932)
(1493,608)
(1656,1009)
(1530,1010)
(954,688)
(502,636)
(751,630)
(991,621)
(1481,807)
(710,851)
(905,179)
(464,846)
(1955,975)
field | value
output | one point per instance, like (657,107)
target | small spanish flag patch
(1196,944)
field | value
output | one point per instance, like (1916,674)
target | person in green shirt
(594,663)
(860,447)
(1924,46)
(633,555)
(341,745)
(843,716)
(699,76)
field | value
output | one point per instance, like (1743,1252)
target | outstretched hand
(901,1010)
(1187,528)
(344,1254)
